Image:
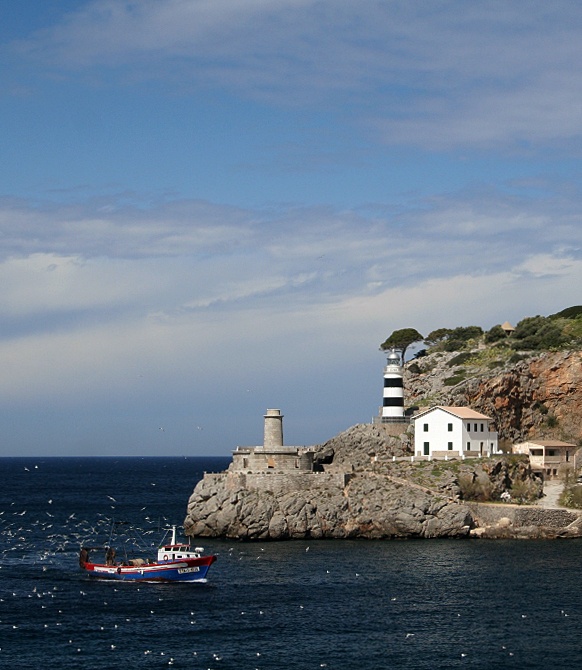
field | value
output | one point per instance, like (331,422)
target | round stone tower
(393,399)
(273,436)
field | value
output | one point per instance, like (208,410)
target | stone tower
(273,435)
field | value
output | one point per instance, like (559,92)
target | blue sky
(209,208)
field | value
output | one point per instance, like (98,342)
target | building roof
(556,444)
(507,326)
(460,412)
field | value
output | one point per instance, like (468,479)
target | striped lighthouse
(393,399)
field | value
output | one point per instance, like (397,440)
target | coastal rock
(365,505)
(363,444)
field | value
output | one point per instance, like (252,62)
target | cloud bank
(439,75)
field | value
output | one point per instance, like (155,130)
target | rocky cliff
(366,505)
(529,396)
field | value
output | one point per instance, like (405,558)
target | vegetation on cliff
(562,330)
(529,379)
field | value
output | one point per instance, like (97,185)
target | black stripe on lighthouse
(393,382)
(393,402)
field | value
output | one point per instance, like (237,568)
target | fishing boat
(175,562)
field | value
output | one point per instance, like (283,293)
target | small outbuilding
(507,328)
(547,456)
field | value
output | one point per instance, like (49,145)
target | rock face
(363,505)
(364,444)
(537,397)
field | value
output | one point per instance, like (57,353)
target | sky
(210,208)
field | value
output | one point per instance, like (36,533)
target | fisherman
(110,556)
(83,557)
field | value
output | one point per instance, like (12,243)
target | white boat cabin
(174,552)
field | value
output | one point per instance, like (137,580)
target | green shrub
(459,359)
(568,313)
(495,334)
(572,497)
(455,379)
(524,491)
(538,333)
(475,488)
(466,333)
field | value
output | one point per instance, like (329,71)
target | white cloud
(284,307)
(452,74)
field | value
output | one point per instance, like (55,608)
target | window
(482,427)
(468,426)
(551,452)
(426,448)
(450,427)
(468,446)
(475,427)
(450,446)
(425,427)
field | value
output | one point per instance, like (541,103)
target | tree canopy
(436,336)
(401,339)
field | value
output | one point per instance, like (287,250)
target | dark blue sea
(366,605)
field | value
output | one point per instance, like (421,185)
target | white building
(548,456)
(453,432)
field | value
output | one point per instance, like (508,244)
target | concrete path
(552,490)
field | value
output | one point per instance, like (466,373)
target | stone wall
(487,515)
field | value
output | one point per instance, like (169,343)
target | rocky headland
(364,485)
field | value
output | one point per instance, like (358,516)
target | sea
(305,604)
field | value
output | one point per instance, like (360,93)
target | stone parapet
(521,516)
